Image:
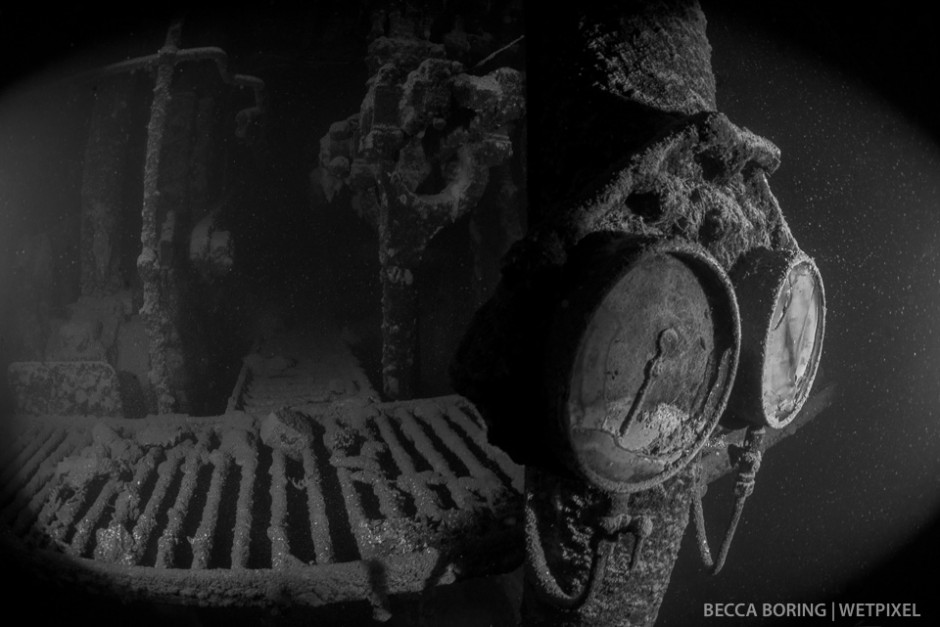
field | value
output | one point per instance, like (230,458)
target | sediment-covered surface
(310,364)
(310,505)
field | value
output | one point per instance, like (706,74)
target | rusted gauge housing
(645,347)
(783,312)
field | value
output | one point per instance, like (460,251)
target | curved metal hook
(605,538)
(747,466)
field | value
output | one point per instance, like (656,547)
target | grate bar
(375,478)
(49,509)
(39,457)
(10,452)
(241,541)
(460,417)
(424,445)
(205,535)
(114,543)
(367,466)
(86,526)
(65,516)
(128,501)
(424,500)
(166,545)
(147,522)
(354,510)
(21,469)
(454,441)
(277,532)
(26,508)
(316,504)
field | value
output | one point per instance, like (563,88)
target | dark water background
(848,508)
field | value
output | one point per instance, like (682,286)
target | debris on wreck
(417,158)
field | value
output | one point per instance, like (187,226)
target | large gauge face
(653,367)
(793,343)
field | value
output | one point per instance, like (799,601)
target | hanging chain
(748,464)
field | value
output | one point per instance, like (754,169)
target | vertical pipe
(149,262)
(399,330)
(164,217)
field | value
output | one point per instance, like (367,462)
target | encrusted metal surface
(66,387)
(306,365)
(216,511)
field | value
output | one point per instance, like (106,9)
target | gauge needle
(666,343)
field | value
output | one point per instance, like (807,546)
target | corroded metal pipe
(157,311)
(629,144)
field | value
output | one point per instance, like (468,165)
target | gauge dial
(782,322)
(654,363)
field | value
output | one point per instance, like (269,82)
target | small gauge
(649,346)
(782,322)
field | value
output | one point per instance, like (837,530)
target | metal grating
(314,498)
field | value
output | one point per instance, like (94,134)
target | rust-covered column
(625,146)
(105,173)
(169,137)
(417,159)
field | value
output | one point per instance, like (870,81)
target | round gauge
(650,337)
(782,322)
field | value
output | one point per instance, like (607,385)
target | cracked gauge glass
(793,342)
(652,369)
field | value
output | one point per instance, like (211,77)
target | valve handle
(747,466)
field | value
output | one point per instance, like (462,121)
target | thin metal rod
(148,520)
(16,469)
(748,465)
(316,505)
(277,530)
(86,526)
(470,424)
(354,511)
(205,535)
(241,542)
(424,499)
(30,499)
(423,444)
(166,545)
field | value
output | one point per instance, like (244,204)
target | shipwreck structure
(609,353)
(588,305)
